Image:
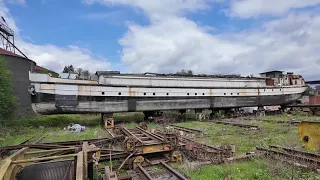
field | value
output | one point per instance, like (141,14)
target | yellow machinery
(309,133)
(108,121)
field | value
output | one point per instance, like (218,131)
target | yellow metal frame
(108,123)
(309,133)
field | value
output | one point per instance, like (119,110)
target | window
(264,90)
(195,93)
(231,93)
(188,94)
(154,93)
(202,93)
(295,82)
(224,93)
(238,93)
(119,93)
(144,93)
(167,94)
(102,93)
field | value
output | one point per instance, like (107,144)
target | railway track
(196,132)
(298,158)
(238,125)
(173,174)
(272,121)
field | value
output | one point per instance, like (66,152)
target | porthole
(167,94)
(224,93)
(202,93)
(195,93)
(238,93)
(102,93)
(144,93)
(231,93)
(154,93)
(188,94)
(119,93)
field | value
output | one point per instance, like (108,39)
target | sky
(164,36)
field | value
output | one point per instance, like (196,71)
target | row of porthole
(231,93)
(187,93)
(272,90)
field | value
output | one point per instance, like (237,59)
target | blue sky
(206,36)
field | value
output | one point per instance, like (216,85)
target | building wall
(20,68)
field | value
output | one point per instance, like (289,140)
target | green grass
(215,134)
(246,140)
(57,134)
(260,168)
(150,125)
(296,116)
(14,136)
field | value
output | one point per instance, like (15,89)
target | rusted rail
(238,125)
(295,157)
(296,152)
(144,172)
(187,130)
(284,122)
(173,171)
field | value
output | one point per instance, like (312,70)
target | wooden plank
(7,166)
(79,175)
(50,150)
(43,158)
(85,149)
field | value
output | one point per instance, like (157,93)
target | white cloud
(172,43)
(159,8)
(255,8)
(51,56)
(177,43)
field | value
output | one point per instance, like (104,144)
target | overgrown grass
(251,169)
(216,134)
(247,140)
(14,136)
(296,116)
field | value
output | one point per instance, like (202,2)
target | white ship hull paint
(107,91)
(130,105)
(125,93)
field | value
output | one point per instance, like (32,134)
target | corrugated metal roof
(9,53)
(276,71)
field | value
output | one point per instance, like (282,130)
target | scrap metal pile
(135,149)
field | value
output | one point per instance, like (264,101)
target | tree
(184,72)
(7,99)
(68,69)
(79,71)
(86,74)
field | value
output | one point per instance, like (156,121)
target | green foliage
(7,99)
(68,69)
(254,168)
(129,117)
(184,72)
(46,71)
(64,120)
(219,114)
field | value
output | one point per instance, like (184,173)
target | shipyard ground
(270,132)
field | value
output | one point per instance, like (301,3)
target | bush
(7,99)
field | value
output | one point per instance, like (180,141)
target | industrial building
(20,67)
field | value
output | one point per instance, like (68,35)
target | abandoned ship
(111,91)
